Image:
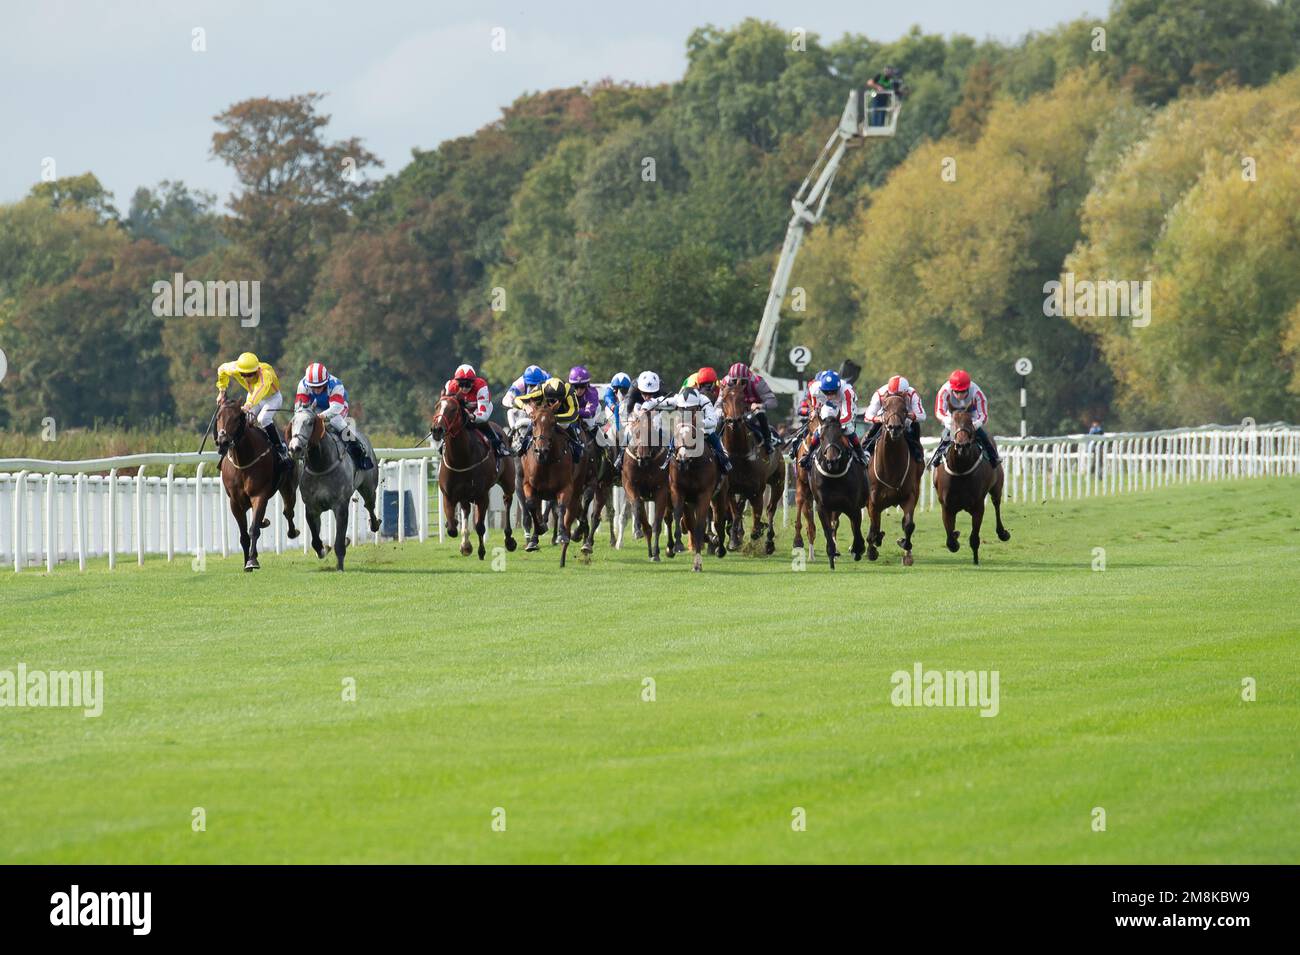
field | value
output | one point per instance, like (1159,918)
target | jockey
(897,385)
(585,395)
(706,382)
(262,398)
(325,394)
(959,393)
(647,388)
(559,394)
(828,396)
(517,420)
(760,397)
(474,393)
(612,398)
(689,398)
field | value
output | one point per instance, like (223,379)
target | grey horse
(328,477)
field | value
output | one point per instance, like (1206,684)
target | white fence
(54,511)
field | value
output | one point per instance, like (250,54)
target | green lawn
(522,689)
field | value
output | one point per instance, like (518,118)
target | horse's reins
(875,463)
(234,440)
(449,433)
(978,458)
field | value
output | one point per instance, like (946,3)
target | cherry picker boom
(867,114)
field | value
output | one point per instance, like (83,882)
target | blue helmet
(828,381)
(534,375)
(622,381)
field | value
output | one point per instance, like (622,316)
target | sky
(116,88)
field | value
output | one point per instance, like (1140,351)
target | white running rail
(55,511)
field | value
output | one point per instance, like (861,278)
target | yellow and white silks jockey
(262,398)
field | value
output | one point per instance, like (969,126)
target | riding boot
(618,461)
(766,430)
(987,444)
(855,446)
(805,462)
(914,442)
(724,459)
(939,452)
(277,442)
(360,457)
(869,443)
(498,448)
(576,441)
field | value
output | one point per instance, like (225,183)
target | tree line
(627,227)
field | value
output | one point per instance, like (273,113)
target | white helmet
(647,382)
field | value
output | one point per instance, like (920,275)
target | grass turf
(522,689)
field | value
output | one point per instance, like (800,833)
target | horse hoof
(872,553)
(530,547)
(481,553)
(857,555)
(770,548)
(466,551)
(1004,535)
(320,552)
(251,565)
(375,524)
(293,532)
(587,549)
(511,544)
(907,558)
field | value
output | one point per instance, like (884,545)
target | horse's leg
(825,516)
(341,531)
(369,492)
(909,525)
(239,508)
(805,511)
(480,521)
(564,520)
(950,529)
(777,488)
(532,520)
(718,508)
(507,483)
(259,514)
(873,512)
(976,518)
(313,526)
(466,547)
(289,498)
(756,505)
(698,517)
(855,520)
(996,493)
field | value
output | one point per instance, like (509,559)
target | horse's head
(689,441)
(830,436)
(734,403)
(965,449)
(448,418)
(542,415)
(305,431)
(894,411)
(643,436)
(229,425)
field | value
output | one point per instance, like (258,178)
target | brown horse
(551,473)
(252,476)
(838,483)
(645,478)
(693,477)
(753,470)
(962,480)
(803,501)
(467,473)
(895,477)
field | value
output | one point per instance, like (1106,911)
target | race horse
(693,480)
(467,473)
(600,484)
(753,470)
(803,499)
(961,482)
(549,472)
(894,477)
(837,482)
(645,479)
(252,475)
(328,477)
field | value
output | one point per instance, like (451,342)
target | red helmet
(316,375)
(465,373)
(706,376)
(959,380)
(738,371)
(898,385)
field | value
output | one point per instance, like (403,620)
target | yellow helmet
(246,363)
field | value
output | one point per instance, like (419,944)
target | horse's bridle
(453,429)
(233,438)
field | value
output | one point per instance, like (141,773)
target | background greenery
(1118,164)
